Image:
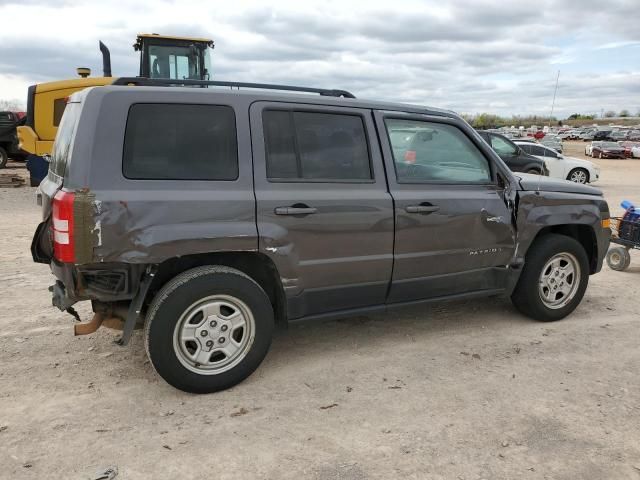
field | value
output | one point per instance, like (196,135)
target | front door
(453,228)
(325,216)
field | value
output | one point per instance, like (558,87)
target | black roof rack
(158,82)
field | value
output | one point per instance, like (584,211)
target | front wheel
(208,329)
(578,175)
(554,278)
(533,171)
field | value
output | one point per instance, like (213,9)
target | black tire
(4,158)
(576,170)
(526,296)
(533,171)
(176,297)
(618,258)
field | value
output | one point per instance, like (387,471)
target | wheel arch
(583,234)
(254,264)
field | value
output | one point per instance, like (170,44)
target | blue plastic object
(627,205)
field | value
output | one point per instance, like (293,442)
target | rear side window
(502,146)
(180,142)
(315,146)
(64,139)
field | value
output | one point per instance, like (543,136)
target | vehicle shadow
(411,324)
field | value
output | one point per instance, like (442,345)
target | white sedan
(559,166)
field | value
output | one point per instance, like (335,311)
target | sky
(479,56)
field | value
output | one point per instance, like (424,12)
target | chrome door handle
(421,208)
(295,210)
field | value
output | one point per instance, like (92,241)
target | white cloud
(485,55)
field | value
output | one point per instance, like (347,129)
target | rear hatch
(57,205)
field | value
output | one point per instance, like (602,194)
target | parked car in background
(589,148)
(8,138)
(618,136)
(602,135)
(588,136)
(552,141)
(634,135)
(635,152)
(559,166)
(515,158)
(539,135)
(628,145)
(607,150)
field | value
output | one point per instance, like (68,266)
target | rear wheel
(208,329)
(618,258)
(533,171)
(4,158)
(578,175)
(554,279)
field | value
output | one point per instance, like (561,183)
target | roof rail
(158,82)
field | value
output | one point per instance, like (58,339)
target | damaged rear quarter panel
(149,221)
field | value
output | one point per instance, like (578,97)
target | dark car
(602,135)
(515,158)
(8,138)
(209,216)
(607,150)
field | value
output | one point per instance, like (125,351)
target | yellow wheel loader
(182,59)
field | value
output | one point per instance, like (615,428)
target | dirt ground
(451,391)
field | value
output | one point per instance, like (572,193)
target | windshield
(170,61)
(64,139)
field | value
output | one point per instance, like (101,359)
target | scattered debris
(329,406)
(349,389)
(3,428)
(505,444)
(27,464)
(11,180)
(386,430)
(91,348)
(168,413)
(242,411)
(476,356)
(167,447)
(606,325)
(102,430)
(108,474)
(466,354)
(20,340)
(394,387)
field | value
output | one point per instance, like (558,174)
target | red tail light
(62,226)
(410,156)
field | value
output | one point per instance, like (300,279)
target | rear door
(453,227)
(324,214)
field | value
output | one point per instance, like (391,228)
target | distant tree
(609,114)
(624,113)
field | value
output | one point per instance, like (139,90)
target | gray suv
(209,216)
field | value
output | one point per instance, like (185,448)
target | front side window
(435,152)
(180,142)
(526,148)
(315,146)
(502,146)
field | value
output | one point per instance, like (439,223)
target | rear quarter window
(180,142)
(61,152)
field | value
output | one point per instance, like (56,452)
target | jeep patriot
(208,216)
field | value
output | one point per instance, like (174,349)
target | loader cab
(178,58)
